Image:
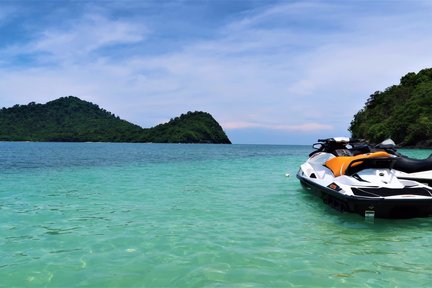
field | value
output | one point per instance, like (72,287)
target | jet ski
(352,176)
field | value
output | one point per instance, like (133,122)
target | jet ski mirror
(317,146)
(388,143)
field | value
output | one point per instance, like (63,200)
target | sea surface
(161,215)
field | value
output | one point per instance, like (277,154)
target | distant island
(70,119)
(402,112)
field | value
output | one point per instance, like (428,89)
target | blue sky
(274,72)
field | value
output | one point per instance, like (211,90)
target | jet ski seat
(348,165)
(409,165)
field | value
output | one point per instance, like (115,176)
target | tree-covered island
(402,112)
(70,119)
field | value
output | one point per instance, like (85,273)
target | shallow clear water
(149,215)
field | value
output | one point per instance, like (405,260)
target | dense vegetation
(71,119)
(402,112)
(192,127)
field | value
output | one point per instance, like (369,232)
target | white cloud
(87,35)
(305,127)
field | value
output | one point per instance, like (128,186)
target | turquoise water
(149,215)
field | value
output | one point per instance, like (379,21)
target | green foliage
(402,112)
(70,119)
(192,127)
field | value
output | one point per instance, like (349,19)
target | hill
(402,112)
(70,119)
(192,127)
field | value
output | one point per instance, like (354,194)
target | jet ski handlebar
(345,140)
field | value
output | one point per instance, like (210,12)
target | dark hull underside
(382,208)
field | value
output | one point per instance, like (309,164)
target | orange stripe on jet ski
(339,164)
